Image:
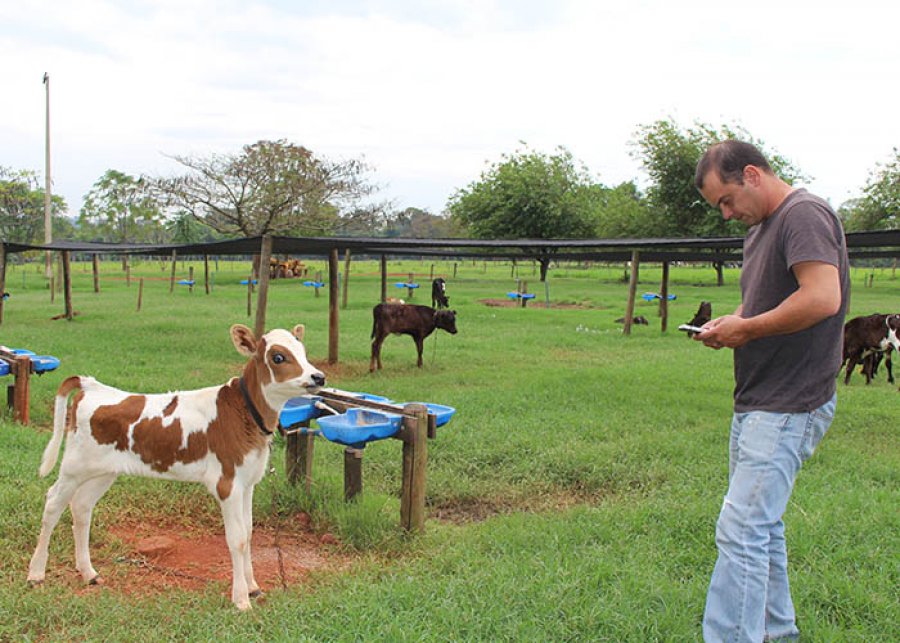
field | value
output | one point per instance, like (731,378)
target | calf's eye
(278,358)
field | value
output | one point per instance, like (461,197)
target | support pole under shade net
(632,291)
(333,297)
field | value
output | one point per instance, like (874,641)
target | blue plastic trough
(4,368)
(358,426)
(401,284)
(39,363)
(185,282)
(299,409)
(441,412)
(650,296)
(244,282)
(314,284)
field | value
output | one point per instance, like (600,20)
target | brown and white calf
(407,319)
(217,436)
(867,336)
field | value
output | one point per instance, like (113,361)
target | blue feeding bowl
(44,363)
(299,409)
(186,282)
(358,426)
(4,368)
(372,397)
(21,351)
(244,282)
(316,284)
(512,295)
(442,413)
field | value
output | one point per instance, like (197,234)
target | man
(786,336)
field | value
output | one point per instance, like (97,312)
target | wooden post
(191,279)
(352,473)
(333,316)
(632,291)
(206,272)
(664,297)
(250,294)
(383,278)
(2,276)
(454,270)
(67,284)
(431,278)
(52,289)
(299,457)
(262,296)
(22,389)
(346,278)
(128,274)
(140,294)
(172,276)
(409,289)
(95,261)
(415,461)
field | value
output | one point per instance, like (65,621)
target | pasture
(573,497)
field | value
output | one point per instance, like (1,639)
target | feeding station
(521,293)
(21,363)
(354,420)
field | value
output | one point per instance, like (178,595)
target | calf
(866,336)
(407,319)
(439,294)
(217,436)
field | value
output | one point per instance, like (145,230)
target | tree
(22,207)
(669,155)
(526,195)
(270,187)
(622,212)
(879,207)
(416,223)
(118,208)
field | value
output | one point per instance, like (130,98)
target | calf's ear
(243,340)
(299,329)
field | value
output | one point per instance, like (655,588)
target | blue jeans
(749,598)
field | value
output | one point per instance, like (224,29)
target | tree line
(278,187)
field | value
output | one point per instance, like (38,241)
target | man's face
(739,201)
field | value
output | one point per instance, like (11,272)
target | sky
(431,93)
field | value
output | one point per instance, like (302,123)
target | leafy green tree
(270,187)
(669,155)
(622,212)
(22,207)
(879,207)
(184,228)
(416,223)
(118,208)
(527,194)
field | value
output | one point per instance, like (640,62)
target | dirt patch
(511,303)
(161,555)
(469,510)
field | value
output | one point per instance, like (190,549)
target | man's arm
(817,297)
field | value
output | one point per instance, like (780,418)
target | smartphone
(690,329)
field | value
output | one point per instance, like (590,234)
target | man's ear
(752,175)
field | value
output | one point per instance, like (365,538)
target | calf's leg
(252,586)
(82,507)
(58,497)
(238,546)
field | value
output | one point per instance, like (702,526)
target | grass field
(573,497)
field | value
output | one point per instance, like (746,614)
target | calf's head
(445,320)
(278,364)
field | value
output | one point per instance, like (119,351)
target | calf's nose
(318,379)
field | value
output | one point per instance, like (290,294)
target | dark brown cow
(407,319)
(866,336)
(704,314)
(218,436)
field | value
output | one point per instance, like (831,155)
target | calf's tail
(51,453)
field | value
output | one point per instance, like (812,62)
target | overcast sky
(430,93)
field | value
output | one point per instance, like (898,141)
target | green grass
(581,476)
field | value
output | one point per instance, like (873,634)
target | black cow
(865,338)
(407,319)
(439,294)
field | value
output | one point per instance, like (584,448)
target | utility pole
(48,229)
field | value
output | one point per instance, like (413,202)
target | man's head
(736,178)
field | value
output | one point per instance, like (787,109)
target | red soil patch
(160,557)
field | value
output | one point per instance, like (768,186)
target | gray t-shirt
(795,372)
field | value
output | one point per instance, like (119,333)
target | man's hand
(729,331)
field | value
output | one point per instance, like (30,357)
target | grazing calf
(407,319)
(704,314)
(439,294)
(867,336)
(217,436)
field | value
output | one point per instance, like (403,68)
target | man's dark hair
(728,159)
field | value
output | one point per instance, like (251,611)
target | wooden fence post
(67,284)
(415,461)
(95,262)
(172,276)
(333,315)
(664,297)
(140,294)
(383,278)
(346,278)
(352,472)
(632,291)
(298,455)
